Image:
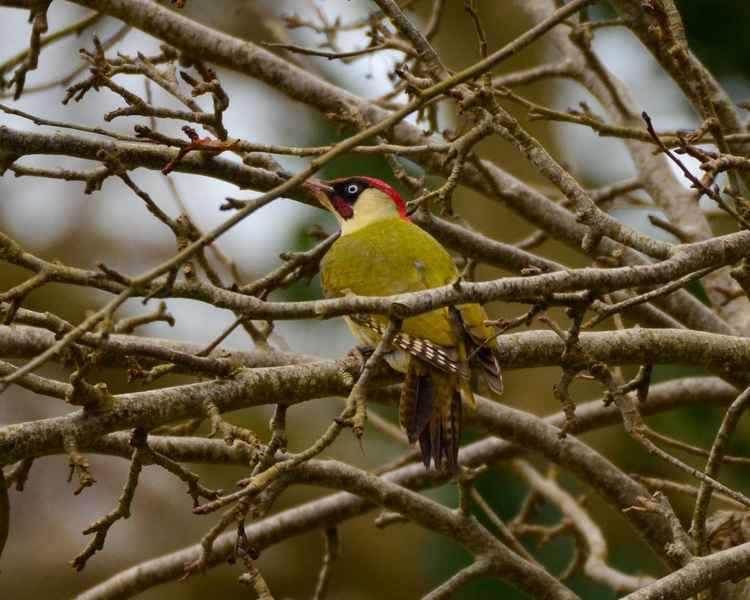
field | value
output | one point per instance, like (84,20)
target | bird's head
(357,201)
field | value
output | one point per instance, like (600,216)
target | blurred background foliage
(717,33)
(57,220)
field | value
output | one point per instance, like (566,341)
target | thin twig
(731,418)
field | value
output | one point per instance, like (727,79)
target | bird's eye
(352,188)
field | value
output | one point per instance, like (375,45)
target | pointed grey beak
(317,187)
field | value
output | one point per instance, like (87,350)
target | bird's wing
(443,358)
(482,348)
(374,261)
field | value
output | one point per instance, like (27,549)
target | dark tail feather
(425,445)
(425,398)
(416,402)
(436,433)
(450,432)
(454,433)
(440,440)
(430,412)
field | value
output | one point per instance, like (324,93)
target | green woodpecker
(443,353)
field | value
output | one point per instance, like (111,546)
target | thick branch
(699,574)
(286,385)
(686,259)
(728,356)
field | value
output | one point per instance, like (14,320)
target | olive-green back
(376,261)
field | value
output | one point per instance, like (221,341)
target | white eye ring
(352,188)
